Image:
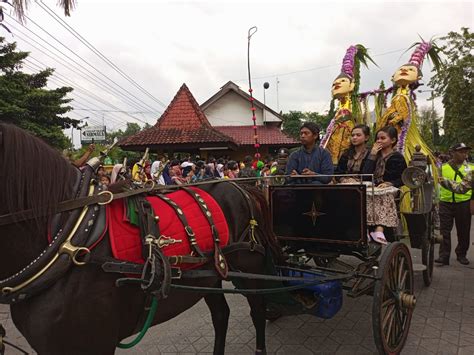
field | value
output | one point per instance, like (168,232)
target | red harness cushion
(125,237)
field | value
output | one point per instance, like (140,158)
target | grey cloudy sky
(162,44)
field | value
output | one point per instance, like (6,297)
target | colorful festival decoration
(345,89)
(402,113)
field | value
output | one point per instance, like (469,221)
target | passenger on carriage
(310,160)
(387,165)
(384,161)
(352,160)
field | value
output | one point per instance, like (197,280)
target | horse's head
(33,176)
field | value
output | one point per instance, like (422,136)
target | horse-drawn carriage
(324,228)
(60,279)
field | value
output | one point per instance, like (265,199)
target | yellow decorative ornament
(344,89)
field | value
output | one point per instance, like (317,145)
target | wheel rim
(398,302)
(394,303)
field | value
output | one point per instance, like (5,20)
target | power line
(58,19)
(126,95)
(81,58)
(316,68)
(93,79)
(64,81)
(86,92)
(121,111)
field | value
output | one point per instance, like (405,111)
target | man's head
(248,161)
(460,152)
(342,86)
(309,134)
(407,74)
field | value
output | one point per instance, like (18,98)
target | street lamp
(265,87)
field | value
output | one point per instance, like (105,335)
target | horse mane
(33,175)
(266,229)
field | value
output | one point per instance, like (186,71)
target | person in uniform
(455,207)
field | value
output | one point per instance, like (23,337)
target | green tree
(428,124)
(25,101)
(454,83)
(293,120)
(117,154)
(132,128)
(321,120)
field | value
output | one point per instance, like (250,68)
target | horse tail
(265,227)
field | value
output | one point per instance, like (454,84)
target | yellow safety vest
(449,173)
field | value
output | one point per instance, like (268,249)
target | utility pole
(278,98)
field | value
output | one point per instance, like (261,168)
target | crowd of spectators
(175,171)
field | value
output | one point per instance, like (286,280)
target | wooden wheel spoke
(388,302)
(400,270)
(403,280)
(388,334)
(388,315)
(393,336)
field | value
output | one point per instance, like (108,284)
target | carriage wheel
(427,252)
(394,300)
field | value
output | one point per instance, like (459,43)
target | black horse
(84,312)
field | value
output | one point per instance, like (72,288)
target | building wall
(233,110)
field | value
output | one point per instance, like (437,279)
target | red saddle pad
(125,238)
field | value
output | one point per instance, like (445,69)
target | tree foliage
(293,120)
(429,125)
(25,101)
(454,83)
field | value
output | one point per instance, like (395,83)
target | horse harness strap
(102,198)
(250,229)
(189,231)
(64,249)
(219,260)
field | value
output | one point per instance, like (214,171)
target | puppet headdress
(425,49)
(351,63)
(351,68)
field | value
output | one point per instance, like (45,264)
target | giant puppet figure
(402,112)
(345,88)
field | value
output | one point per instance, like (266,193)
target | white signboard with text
(94,134)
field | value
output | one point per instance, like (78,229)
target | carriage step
(419,267)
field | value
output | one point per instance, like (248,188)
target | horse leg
(257,312)
(220,319)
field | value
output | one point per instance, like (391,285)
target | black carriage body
(329,218)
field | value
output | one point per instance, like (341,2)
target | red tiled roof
(182,122)
(243,135)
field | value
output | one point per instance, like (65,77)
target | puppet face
(405,75)
(342,86)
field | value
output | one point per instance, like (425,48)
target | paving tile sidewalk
(443,323)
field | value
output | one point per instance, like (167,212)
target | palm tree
(21,6)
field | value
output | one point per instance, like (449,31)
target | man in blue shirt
(310,159)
